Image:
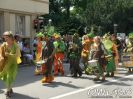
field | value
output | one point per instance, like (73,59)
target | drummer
(48,56)
(39,49)
(87,40)
(39,46)
(129,49)
(59,49)
(98,53)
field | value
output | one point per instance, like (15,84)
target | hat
(130,35)
(40,34)
(56,35)
(8,33)
(106,35)
(76,35)
(91,35)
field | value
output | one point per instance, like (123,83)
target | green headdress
(40,34)
(106,36)
(91,35)
(130,35)
(56,35)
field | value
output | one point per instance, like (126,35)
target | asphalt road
(28,86)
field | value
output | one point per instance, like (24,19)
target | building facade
(18,15)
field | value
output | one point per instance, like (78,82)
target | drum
(41,62)
(93,63)
(92,67)
(40,67)
(108,57)
(127,60)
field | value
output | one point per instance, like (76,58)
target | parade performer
(48,56)
(39,49)
(119,49)
(87,40)
(39,46)
(129,51)
(112,53)
(59,48)
(9,55)
(74,60)
(76,40)
(98,53)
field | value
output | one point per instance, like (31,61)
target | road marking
(87,88)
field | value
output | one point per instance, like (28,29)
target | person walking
(48,57)
(59,48)
(98,53)
(112,53)
(9,53)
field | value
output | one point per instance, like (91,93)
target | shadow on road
(25,76)
(121,81)
(57,84)
(1,91)
(22,96)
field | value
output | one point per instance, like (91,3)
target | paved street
(28,86)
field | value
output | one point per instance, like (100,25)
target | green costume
(59,46)
(40,34)
(111,62)
(129,51)
(8,74)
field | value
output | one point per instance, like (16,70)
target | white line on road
(84,89)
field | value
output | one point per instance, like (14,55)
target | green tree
(105,13)
(101,13)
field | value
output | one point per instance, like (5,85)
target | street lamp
(115,28)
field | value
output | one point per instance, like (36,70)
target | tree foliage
(105,13)
(101,13)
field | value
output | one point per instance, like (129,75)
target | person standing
(119,48)
(9,54)
(98,53)
(48,56)
(39,47)
(59,48)
(78,48)
(74,60)
(86,45)
(129,52)
(112,53)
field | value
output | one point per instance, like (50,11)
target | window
(20,24)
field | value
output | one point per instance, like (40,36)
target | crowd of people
(49,51)
(105,51)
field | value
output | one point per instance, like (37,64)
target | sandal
(112,74)
(8,94)
(11,91)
